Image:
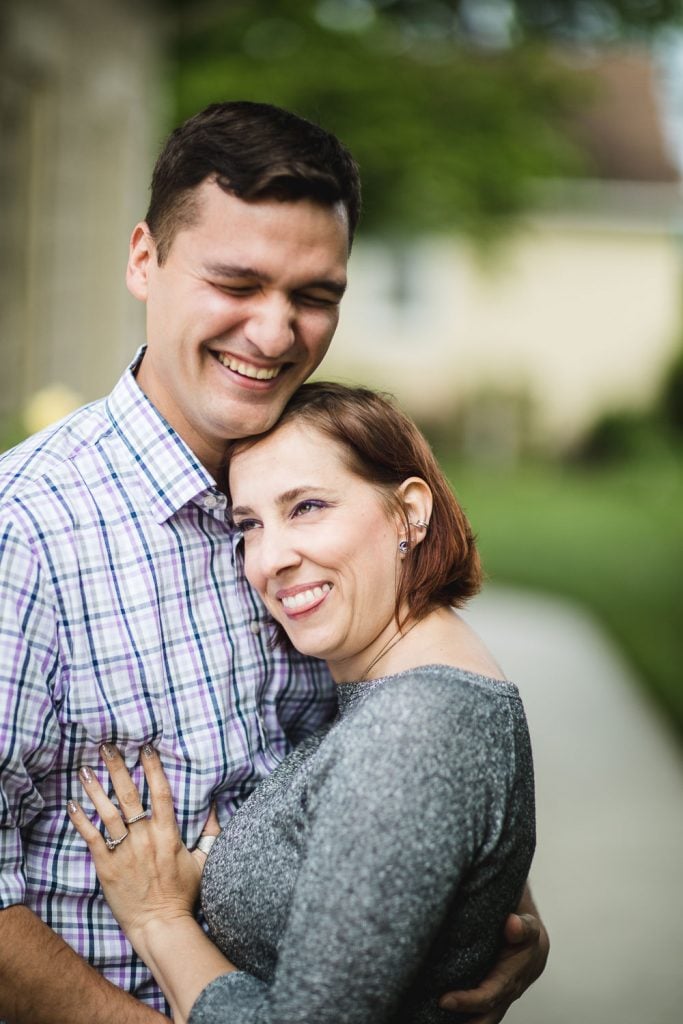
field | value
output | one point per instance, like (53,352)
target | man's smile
(247,369)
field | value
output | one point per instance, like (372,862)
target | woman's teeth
(305,597)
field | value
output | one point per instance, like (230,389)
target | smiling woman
(351,445)
(377,865)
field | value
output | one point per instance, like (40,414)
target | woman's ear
(415,497)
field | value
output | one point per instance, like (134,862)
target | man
(124,613)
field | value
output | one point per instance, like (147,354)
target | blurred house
(577,313)
(79,123)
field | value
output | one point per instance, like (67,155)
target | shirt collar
(170,473)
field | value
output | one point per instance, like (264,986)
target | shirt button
(255,627)
(211,501)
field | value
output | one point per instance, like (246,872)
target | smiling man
(239,313)
(124,612)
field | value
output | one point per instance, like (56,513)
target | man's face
(240,313)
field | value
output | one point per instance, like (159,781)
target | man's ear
(142,254)
(416,500)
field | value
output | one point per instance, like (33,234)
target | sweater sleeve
(398,805)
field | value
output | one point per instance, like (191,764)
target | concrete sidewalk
(608,872)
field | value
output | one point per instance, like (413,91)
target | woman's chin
(312,647)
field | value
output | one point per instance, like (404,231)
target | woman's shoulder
(435,726)
(434,699)
(437,684)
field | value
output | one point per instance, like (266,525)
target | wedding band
(136,817)
(113,843)
(205,843)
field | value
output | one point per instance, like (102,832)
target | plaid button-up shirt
(125,616)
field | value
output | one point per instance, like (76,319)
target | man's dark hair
(255,151)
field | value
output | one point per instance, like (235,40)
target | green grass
(611,539)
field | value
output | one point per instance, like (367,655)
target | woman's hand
(149,876)
(150,879)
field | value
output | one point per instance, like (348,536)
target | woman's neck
(441,637)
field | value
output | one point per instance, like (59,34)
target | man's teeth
(255,372)
(305,597)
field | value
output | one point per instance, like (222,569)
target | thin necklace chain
(391,642)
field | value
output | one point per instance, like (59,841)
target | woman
(375,868)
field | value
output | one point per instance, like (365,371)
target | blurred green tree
(451,108)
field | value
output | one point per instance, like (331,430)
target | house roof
(621,126)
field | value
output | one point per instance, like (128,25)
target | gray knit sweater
(373,870)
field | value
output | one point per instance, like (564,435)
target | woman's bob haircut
(384,447)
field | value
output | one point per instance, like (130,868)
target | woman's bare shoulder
(445,638)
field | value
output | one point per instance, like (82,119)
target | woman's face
(320,545)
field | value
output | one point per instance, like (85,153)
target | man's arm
(42,980)
(522,961)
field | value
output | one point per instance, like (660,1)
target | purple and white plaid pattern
(125,616)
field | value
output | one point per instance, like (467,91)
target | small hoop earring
(403,547)
(420,524)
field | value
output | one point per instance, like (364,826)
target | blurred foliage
(610,539)
(624,434)
(445,136)
(600,20)
(12,431)
(451,108)
(672,396)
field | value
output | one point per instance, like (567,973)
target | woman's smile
(298,601)
(320,545)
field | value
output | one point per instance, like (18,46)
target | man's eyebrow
(235,270)
(231,270)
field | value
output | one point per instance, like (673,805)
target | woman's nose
(278,554)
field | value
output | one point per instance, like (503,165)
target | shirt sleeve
(395,813)
(307,699)
(29,730)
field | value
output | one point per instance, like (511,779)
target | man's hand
(522,960)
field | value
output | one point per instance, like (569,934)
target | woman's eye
(303,507)
(247,525)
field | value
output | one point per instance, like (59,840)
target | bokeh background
(517,282)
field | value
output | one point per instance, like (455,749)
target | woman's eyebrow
(241,510)
(286,498)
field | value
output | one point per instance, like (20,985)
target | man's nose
(270,327)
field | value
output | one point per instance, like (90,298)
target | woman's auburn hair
(385,447)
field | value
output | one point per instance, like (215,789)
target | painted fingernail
(86,774)
(148,750)
(72,807)
(108,751)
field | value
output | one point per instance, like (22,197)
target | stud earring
(403,547)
